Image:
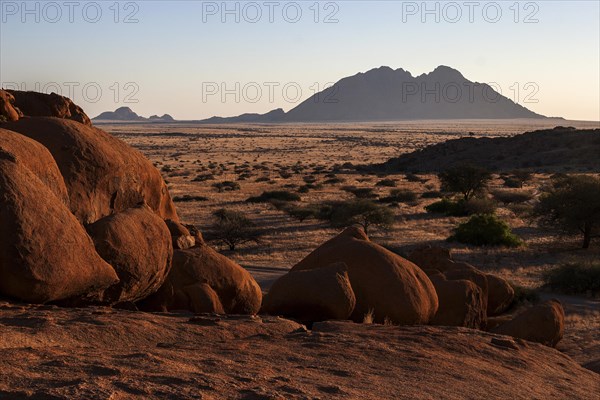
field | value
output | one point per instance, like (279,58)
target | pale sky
(176,57)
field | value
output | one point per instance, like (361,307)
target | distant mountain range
(384,94)
(126,114)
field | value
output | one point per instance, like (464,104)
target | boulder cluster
(86,219)
(350,277)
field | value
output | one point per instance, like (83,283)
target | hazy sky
(176,57)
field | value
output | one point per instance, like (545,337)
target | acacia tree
(572,202)
(362,212)
(465,179)
(233,228)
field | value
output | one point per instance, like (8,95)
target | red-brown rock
(103,174)
(37,159)
(137,243)
(384,283)
(8,110)
(237,291)
(461,303)
(543,323)
(35,104)
(45,253)
(312,295)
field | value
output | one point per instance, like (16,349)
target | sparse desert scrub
(275,195)
(360,193)
(512,196)
(226,186)
(232,229)
(387,183)
(577,278)
(465,179)
(400,196)
(188,198)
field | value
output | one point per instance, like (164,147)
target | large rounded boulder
(137,243)
(199,277)
(35,104)
(312,295)
(543,323)
(103,174)
(461,303)
(385,284)
(500,295)
(37,159)
(45,253)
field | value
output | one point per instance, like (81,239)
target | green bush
(277,195)
(575,278)
(485,230)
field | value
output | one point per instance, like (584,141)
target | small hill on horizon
(126,114)
(385,94)
(562,149)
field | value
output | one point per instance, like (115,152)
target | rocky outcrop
(45,253)
(312,295)
(385,284)
(103,174)
(543,323)
(34,104)
(137,243)
(193,269)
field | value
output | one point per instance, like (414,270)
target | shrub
(445,206)
(477,205)
(233,228)
(360,193)
(226,186)
(432,194)
(512,196)
(524,295)
(415,178)
(187,198)
(203,178)
(262,179)
(386,183)
(360,212)
(400,196)
(572,203)
(303,213)
(334,181)
(278,195)
(575,278)
(517,179)
(485,230)
(465,179)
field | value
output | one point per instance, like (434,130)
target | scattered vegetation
(226,186)
(461,208)
(188,198)
(465,179)
(363,212)
(400,196)
(278,195)
(517,179)
(360,193)
(572,203)
(524,295)
(512,196)
(575,278)
(386,183)
(485,230)
(232,229)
